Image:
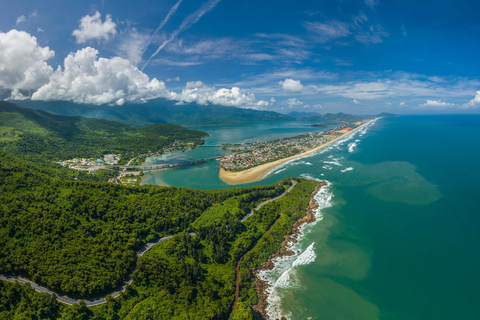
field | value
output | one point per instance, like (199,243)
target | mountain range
(158,111)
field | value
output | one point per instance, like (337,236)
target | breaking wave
(347,169)
(283,275)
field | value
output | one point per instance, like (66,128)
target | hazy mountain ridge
(158,111)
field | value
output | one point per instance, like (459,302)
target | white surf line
(323,149)
(116,293)
(282,276)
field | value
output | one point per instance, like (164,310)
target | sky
(361,57)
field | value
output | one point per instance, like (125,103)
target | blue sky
(359,57)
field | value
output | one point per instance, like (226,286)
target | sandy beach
(260,172)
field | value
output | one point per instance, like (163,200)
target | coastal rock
(290,239)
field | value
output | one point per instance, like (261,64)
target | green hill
(80,238)
(159,111)
(340,116)
(38,135)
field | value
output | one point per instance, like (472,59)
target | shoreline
(261,286)
(260,172)
(148,176)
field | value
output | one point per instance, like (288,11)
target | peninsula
(240,168)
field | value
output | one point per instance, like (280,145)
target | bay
(399,234)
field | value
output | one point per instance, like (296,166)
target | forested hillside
(159,111)
(37,135)
(81,238)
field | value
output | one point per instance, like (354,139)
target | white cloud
(371,3)
(293,102)
(189,21)
(173,79)
(92,27)
(132,45)
(436,104)
(196,91)
(21,19)
(85,78)
(170,13)
(22,61)
(292,86)
(398,85)
(40,30)
(402,103)
(474,103)
(328,31)
(375,34)
(355,101)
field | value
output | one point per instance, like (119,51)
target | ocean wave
(280,170)
(347,169)
(309,177)
(282,276)
(334,162)
(351,146)
(307,257)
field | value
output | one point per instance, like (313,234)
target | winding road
(101,300)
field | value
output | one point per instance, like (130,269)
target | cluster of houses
(250,155)
(91,165)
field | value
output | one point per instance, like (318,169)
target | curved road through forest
(101,300)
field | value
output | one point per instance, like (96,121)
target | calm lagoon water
(398,235)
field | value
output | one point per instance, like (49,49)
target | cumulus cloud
(474,103)
(23,62)
(197,91)
(437,104)
(293,102)
(92,27)
(85,78)
(355,101)
(292,86)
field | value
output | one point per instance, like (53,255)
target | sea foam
(283,275)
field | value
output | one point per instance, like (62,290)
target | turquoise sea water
(398,235)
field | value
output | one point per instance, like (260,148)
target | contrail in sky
(162,24)
(186,23)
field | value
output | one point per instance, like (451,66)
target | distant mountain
(38,135)
(386,114)
(158,111)
(335,117)
(299,114)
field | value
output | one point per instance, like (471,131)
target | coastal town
(121,163)
(249,155)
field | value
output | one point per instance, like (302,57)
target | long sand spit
(261,172)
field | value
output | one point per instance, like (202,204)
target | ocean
(397,234)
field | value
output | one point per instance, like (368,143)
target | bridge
(167,166)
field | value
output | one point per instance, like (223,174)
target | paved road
(101,300)
(268,201)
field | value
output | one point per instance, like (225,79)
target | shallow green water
(399,236)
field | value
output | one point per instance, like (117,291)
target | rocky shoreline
(290,239)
